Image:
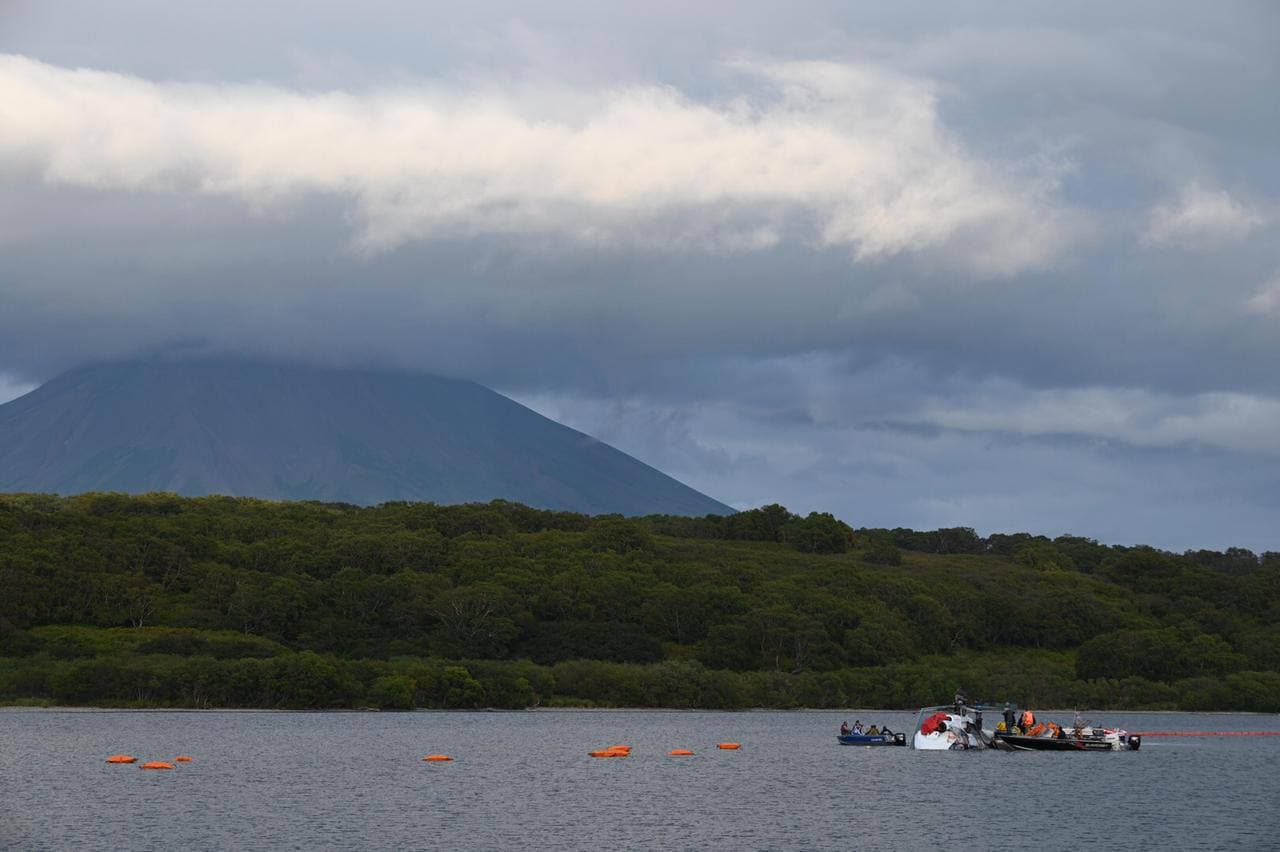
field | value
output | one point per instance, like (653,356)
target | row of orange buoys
(151,764)
(625,751)
(611,751)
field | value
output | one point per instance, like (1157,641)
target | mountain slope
(293,432)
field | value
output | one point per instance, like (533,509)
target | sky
(1006,265)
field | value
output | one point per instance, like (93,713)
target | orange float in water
(679,752)
(182,758)
(610,752)
(437,758)
(157,764)
(122,758)
(620,748)
(729,746)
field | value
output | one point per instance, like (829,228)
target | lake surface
(524,780)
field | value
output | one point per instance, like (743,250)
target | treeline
(158,600)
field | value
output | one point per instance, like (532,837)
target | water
(524,780)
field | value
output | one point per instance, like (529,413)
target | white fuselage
(958,731)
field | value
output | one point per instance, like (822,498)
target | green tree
(393,692)
(820,532)
(477,621)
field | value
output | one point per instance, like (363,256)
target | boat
(872,739)
(1079,737)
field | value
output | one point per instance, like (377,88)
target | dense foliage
(160,600)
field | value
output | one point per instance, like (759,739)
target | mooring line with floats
(1204,733)
(611,751)
(625,750)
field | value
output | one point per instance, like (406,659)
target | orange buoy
(122,758)
(157,764)
(729,746)
(619,748)
(609,752)
(679,752)
(437,758)
(182,758)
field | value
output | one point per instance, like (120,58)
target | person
(844,728)
(873,731)
(886,732)
(1009,719)
(857,726)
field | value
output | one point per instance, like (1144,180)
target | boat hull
(872,739)
(1026,743)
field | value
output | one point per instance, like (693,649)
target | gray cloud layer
(837,156)
(1007,268)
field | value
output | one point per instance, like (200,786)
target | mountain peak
(281,431)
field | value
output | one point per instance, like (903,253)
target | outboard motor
(900,739)
(1135,742)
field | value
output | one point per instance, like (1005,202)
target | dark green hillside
(159,600)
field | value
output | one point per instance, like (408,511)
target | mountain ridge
(284,431)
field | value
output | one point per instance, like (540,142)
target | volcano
(291,432)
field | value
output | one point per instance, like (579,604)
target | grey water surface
(263,780)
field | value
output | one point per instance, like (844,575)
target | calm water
(524,780)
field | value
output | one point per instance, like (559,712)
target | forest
(164,601)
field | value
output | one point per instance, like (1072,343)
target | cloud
(825,155)
(1140,418)
(1267,300)
(1201,218)
(12,389)
(869,450)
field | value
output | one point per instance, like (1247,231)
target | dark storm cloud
(997,266)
